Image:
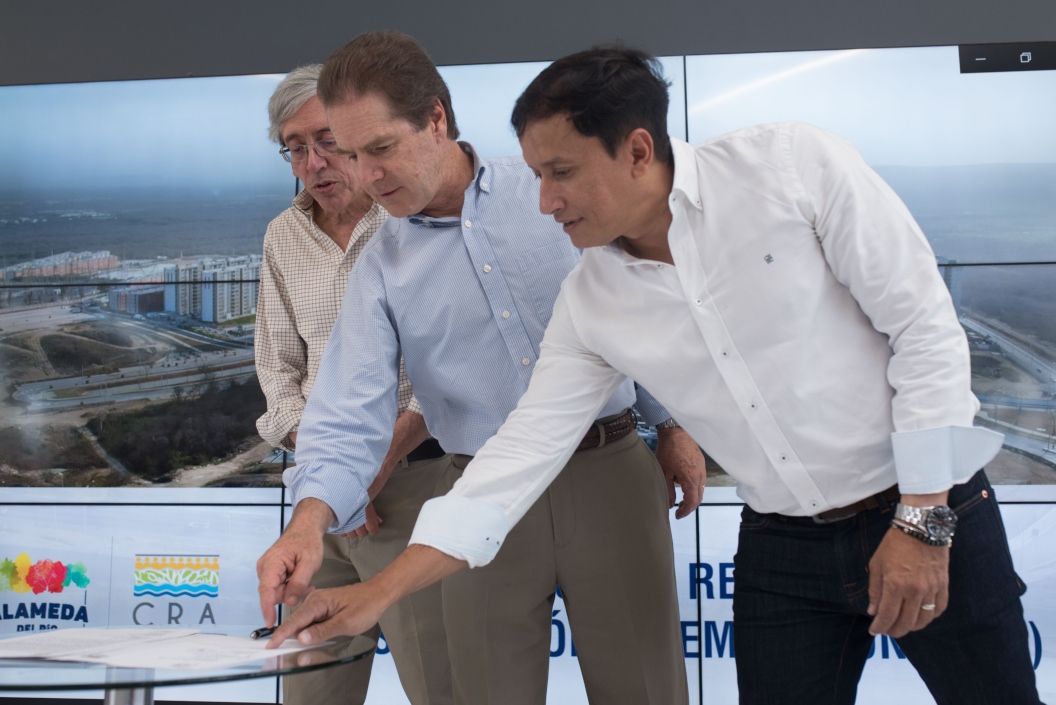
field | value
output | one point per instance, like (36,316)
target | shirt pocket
(543,269)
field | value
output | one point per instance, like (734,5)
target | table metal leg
(129,696)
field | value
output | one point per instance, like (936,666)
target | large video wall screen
(131,239)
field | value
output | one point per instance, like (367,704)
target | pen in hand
(261,633)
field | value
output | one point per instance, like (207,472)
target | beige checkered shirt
(302,284)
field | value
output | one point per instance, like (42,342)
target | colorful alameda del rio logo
(177,576)
(22,576)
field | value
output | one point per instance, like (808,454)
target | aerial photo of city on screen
(132,219)
(131,238)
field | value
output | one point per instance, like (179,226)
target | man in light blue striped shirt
(461,281)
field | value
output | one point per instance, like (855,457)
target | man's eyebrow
(555,161)
(378,141)
(374,143)
(286,139)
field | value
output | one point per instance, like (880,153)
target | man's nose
(549,202)
(369,171)
(315,162)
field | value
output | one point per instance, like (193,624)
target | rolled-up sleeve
(875,249)
(280,353)
(346,427)
(569,386)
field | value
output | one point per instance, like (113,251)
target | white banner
(69,566)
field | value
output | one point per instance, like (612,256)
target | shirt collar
(482,171)
(686,180)
(304,201)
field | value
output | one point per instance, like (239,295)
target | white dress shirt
(804,338)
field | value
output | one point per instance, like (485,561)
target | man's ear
(640,147)
(438,121)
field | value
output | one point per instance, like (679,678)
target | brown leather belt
(602,433)
(888,496)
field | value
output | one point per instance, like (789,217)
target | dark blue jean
(801,590)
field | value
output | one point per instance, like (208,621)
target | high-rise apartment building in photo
(215,290)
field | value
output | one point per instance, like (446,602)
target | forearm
(417,567)
(354,608)
(408,433)
(311,514)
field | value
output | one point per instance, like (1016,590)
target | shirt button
(784,457)
(725,354)
(752,406)
(483,184)
(487,268)
(698,302)
(469,223)
(505,314)
(525,361)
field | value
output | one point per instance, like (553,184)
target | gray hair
(290,95)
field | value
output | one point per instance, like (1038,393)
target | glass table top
(41,675)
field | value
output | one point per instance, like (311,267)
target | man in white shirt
(777,297)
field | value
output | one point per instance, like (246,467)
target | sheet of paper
(195,651)
(70,643)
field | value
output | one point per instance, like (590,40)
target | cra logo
(176,576)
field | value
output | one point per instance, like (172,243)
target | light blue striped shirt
(465,301)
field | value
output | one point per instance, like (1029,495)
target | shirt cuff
(277,423)
(468,529)
(936,459)
(349,504)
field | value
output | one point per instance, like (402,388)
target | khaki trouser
(413,627)
(601,532)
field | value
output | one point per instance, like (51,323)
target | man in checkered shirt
(309,250)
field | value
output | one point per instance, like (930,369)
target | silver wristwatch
(670,423)
(932,525)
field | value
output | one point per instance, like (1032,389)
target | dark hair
(394,66)
(607,92)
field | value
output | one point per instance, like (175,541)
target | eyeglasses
(299,152)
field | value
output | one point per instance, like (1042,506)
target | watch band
(670,423)
(914,516)
(934,526)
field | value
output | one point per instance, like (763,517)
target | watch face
(941,523)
